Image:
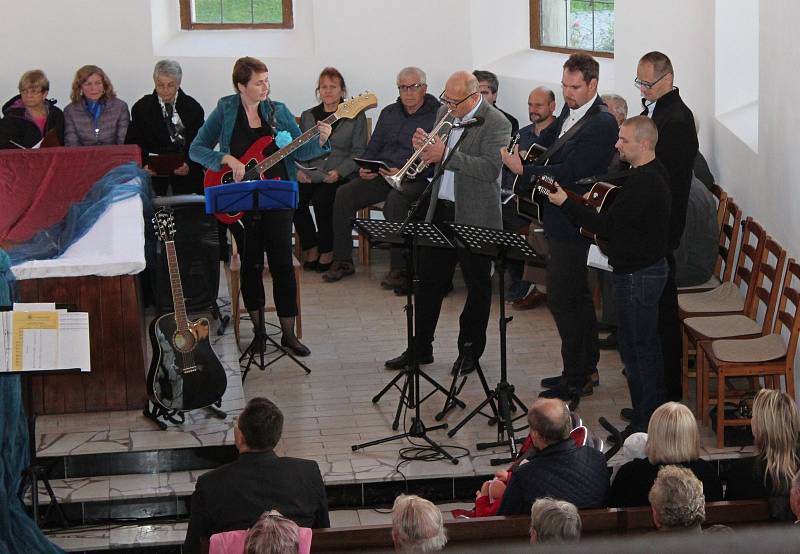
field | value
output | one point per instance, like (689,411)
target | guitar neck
(178,302)
(546,185)
(292,146)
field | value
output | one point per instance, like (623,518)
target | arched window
(572,25)
(236,14)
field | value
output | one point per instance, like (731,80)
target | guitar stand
(156,413)
(256,352)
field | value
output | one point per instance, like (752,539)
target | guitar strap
(545,156)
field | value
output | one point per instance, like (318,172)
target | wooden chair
(764,301)
(237,307)
(771,356)
(722,201)
(729,219)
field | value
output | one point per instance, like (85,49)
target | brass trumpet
(415,166)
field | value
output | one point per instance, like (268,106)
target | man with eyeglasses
(390,143)
(676,149)
(467,192)
(586,133)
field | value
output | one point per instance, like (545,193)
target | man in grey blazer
(467,192)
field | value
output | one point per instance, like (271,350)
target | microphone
(477,120)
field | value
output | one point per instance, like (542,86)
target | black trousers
(267,231)
(570,301)
(669,329)
(435,267)
(322,196)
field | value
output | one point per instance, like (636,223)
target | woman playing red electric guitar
(235,124)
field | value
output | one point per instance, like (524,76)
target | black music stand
(256,196)
(35,472)
(410,234)
(500,246)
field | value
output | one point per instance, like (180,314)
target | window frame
(536,35)
(188,25)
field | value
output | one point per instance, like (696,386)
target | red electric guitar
(257,162)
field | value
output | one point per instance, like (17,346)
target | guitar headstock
(357,104)
(164,224)
(546,184)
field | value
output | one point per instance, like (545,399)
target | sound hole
(183,341)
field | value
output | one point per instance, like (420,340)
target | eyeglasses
(454,103)
(410,88)
(32,90)
(645,84)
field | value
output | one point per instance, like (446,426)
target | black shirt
(244,136)
(635,479)
(636,225)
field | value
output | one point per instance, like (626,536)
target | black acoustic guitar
(184,373)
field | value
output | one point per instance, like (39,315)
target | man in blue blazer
(587,152)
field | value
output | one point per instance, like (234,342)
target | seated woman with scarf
(95,116)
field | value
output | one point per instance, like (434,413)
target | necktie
(646,107)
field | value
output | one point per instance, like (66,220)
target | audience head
(250,79)
(637,140)
(91,83)
(417,525)
(541,104)
(634,447)
(554,521)
(461,93)
(579,79)
(672,435)
(331,88)
(776,427)
(794,496)
(654,75)
(676,499)
(487,84)
(167,75)
(549,422)
(272,534)
(33,88)
(259,426)
(412,85)
(617,106)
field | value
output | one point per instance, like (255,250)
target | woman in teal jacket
(235,124)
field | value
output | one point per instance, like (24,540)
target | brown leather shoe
(531,300)
(395,278)
(337,271)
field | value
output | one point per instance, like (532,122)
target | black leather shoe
(626,414)
(609,343)
(624,434)
(403,359)
(464,365)
(566,393)
(558,380)
(299,349)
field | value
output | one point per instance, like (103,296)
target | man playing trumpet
(390,143)
(467,192)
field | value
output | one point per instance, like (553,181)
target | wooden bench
(609,521)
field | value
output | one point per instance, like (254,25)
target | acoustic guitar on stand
(257,163)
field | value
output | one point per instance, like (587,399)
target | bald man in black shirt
(637,228)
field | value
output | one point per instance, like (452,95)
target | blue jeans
(637,296)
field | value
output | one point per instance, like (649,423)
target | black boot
(289,339)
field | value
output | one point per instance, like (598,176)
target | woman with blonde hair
(776,432)
(95,116)
(672,439)
(30,115)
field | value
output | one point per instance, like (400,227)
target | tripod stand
(256,351)
(499,245)
(413,234)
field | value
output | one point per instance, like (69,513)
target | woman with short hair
(672,439)
(348,140)
(95,116)
(30,115)
(166,122)
(776,435)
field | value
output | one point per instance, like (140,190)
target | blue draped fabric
(122,182)
(18,532)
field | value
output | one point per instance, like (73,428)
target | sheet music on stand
(488,242)
(380,230)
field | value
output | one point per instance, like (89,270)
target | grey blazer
(113,124)
(476,165)
(348,140)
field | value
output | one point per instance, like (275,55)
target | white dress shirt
(576,114)
(448,181)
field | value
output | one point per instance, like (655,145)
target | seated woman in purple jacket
(95,116)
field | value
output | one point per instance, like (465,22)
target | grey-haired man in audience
(417,525)
(554,521)
(677,500)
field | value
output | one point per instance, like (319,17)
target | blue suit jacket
(587,153)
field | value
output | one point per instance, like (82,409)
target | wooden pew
(609,521)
